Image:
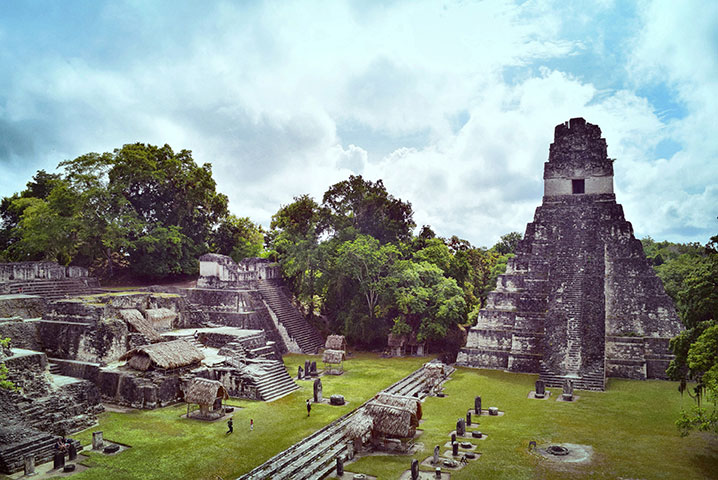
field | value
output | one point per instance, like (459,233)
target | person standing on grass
(230,425)
(251,424)
(309,407)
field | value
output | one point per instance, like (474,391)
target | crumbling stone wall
(91,329)
(38,270)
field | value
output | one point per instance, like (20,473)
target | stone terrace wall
(220,271)
(24,271)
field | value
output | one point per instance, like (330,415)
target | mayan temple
(579,300)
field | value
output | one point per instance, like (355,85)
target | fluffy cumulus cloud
(453,105)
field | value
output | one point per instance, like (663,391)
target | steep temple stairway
(307,337)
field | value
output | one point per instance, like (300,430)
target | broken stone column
(29,465)
(58,461)
(97,443)
(72,452)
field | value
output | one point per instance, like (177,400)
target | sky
(452,104)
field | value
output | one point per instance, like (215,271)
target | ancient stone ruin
(579,300)
(252,290)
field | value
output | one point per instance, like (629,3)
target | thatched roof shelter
(410,403)
(163,355)
(204,391)
(360,425)
(138,321)
(390,421)
(336,342)
(434,372)
(333,356)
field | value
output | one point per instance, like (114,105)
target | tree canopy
(141,207)
(690,276)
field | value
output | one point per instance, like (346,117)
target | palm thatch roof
(165,355)
(434,370)
(333,356)
(410,403)
(138,321)
(360,425)
(204,391)
(390,421)
(336,342)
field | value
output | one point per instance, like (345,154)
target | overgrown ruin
(579,300)
(75,345)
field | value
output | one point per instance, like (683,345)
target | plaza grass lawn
(164,445)
(630,427)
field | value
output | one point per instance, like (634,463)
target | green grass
(630,427)
(167,446)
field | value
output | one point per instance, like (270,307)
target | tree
(140,196)
(47,229)
(11,208)
(238,237)
(508,243)
(425,299)
(294,241)
(692,280)
(368,208)
(5,384)
(367,262)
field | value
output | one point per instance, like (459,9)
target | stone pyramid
(579,300)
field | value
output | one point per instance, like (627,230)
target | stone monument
(477,405)
(540,391)
(340,466)
(29,465)
(460,427)
(567,394)
(435,460)
(97,442)
(300,371)
(579,299)
(318,390)
(414,469)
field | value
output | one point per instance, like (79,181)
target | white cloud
(261,91)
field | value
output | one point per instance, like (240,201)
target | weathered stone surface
(337,399)
(579,299)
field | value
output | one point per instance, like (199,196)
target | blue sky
(452,104)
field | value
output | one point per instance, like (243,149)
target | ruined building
(579,300)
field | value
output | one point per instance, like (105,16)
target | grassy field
(167,446)
(630,427)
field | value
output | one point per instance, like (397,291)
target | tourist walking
(251,424)
(230,425)
(309,407)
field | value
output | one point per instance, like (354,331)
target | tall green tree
(156,206)
(238,237)
(294,241)
(692,280)
(367,262)
(368,209)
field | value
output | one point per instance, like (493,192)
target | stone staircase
(275,382)
(38,444)
(314,457)
(56,289)
(306,336)
(54,368)
(593,380)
